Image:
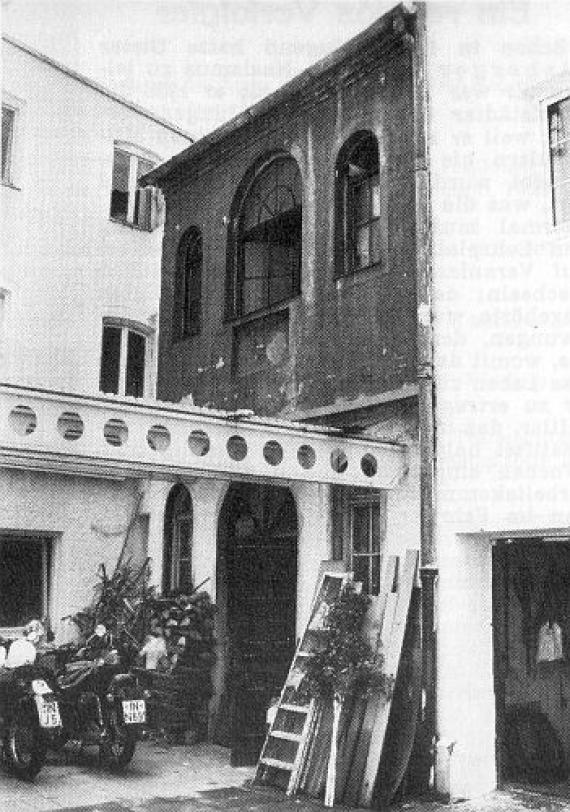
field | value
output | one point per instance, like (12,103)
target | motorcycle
(101,705)
(29,718)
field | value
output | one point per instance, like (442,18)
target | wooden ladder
(282,755)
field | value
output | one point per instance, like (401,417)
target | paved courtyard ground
(166,778)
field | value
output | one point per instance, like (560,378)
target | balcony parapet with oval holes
(103,436)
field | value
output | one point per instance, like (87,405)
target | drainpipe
(427,728)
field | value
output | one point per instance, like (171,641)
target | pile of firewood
(183,684)
(130,609)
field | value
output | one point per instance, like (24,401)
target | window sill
(376,266)
(132,226)
(280,307)
(9,185)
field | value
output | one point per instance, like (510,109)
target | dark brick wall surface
(348,338)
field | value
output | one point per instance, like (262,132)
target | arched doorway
(257,586)
(177,554)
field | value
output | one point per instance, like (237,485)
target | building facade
(92,462)
(81,239)
(383,245)
(379,247)
(290,288)
(499,85)
(79,295)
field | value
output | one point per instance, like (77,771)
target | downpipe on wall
(423,767)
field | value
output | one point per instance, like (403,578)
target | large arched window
(360,211)
(267,259)
(178,529)
(188,295)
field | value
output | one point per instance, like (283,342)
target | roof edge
(294,85)
(73,74)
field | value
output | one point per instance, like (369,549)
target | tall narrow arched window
(360,209)
(178,529)
(188,296)
(267,259)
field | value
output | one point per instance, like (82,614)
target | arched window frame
(285,223)
(188,294)
(178,541)
(361,206)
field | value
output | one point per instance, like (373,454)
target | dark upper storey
(288,274)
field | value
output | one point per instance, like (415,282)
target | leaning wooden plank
(348,740)
(389,600)
(393,650)
(404,713)
(375,702)
(353,716)
(321,754)
(305,772)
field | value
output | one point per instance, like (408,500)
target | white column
(154,503)
(314,546)
(466,701)
(207,498)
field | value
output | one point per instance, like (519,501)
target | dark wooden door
(261,567)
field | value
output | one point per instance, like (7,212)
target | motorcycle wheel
(24,749)
(118,748)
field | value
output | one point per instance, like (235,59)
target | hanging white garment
(549,643)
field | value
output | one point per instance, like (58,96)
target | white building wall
(501,276)
(65,264)
(86,520)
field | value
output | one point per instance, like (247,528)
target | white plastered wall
(501,278)
(86,519)
(66,265)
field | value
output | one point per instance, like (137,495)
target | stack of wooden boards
(296,752)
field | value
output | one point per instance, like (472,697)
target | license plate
(134,711)
(48,712)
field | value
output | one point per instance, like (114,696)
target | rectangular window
(366,540)
(358,533)
(143,197)
(131,203)
(8,119)
(24,579)
(182,553)
(559,143)
(123,361)
(365,199)
(110,360)
(134,382)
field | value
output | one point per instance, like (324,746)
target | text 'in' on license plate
(134,711)
(48,713)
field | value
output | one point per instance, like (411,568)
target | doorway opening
(531,625)
(256,593)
